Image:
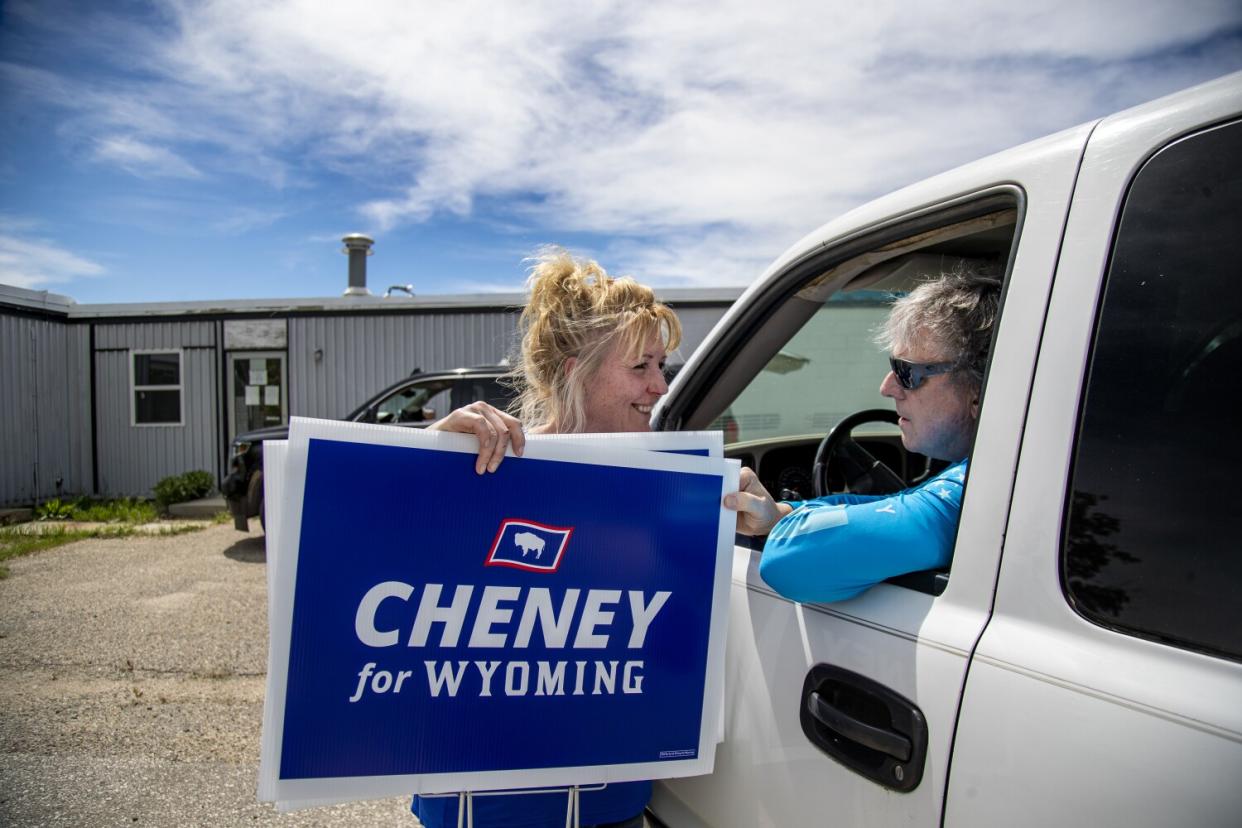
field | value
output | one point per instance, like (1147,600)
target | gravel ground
(131,686)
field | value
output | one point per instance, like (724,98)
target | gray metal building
(108,399)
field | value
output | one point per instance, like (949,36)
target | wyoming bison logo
(525,544)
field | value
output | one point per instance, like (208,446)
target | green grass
(126,510)
(116,510)
(120,516)
(14,543)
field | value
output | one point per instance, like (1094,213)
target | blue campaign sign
(557,622)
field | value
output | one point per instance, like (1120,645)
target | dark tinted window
(157,407)
(488,389)
(1152,544)
(157,369)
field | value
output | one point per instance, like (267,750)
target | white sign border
(639,450)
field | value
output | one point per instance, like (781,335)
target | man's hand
(495,429)
(756,511)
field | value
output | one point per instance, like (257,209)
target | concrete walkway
(52,527)
(192,512)
(205,507)
(15,515)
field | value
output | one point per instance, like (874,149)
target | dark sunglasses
(911,375)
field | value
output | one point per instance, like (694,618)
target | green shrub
(55,509)
(182,487)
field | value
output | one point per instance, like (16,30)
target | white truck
(1081,661)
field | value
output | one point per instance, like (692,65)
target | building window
(155,378)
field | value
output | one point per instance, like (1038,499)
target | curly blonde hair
(576,310)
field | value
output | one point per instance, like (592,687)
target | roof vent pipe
(358,247)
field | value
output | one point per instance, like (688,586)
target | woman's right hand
(495,429)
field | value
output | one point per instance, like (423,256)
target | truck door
(1106,688)
(844,713)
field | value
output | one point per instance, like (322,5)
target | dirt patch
(132,678)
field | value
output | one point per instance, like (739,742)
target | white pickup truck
(1081,661)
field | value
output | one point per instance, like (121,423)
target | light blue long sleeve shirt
(835,547)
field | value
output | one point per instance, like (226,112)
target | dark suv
(415,401)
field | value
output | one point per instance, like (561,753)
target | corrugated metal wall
(175,333)
(45,425)
(45,387)
(362,354)
(132,459)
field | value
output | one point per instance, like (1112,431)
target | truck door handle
(877,738)
(871,729)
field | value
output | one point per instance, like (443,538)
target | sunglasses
(911,375)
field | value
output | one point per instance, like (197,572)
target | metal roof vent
(358,247)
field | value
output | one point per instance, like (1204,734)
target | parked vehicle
(1081,661)
(415,402)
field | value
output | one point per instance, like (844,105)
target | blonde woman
(592,359)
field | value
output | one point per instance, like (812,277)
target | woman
(592,360)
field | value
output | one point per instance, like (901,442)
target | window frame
(134,388)
(703,391)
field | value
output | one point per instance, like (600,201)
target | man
(835,547)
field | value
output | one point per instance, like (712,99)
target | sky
(219,149)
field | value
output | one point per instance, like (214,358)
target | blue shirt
(835,547)
(614,803)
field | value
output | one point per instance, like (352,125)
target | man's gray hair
(956,311)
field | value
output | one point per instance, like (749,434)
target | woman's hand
(495,429)
(756,511)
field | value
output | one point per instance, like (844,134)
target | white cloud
(142,159)
(701,136)
(469,286)
(319,238)
(712,258)
(243,219)
(31,262)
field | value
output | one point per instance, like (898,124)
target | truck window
(488,389)
(1150,543)
(812,364)
(406,405)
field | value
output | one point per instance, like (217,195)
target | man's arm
(825,551)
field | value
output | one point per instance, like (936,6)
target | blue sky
(162,151)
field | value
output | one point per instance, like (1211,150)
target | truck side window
(803,364)
(1151,534)
(472,389)
(406,405)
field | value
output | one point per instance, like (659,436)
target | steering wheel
(864,474)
